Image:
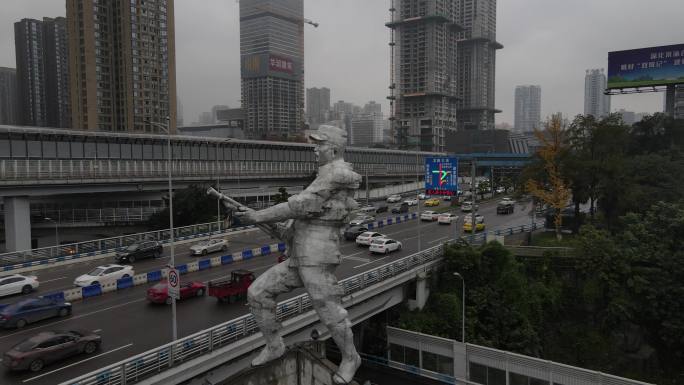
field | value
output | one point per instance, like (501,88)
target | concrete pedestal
(17,223)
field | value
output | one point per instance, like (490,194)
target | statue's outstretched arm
(277,213)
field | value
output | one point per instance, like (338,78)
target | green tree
(282,195)
(190,206)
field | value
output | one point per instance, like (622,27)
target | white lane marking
(358,259)
(50,280)
(73,318)
(97,330)
(76,363)
(439,239)
(368,263)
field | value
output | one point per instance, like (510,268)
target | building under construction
(272,67)
(442,69)
(423,87)
(476,60)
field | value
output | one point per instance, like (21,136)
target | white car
(362,220)
(447,218)
(104,274)
(428,216)
(394,198)
(365,238)
(368,209)
(467,206)
(423,196)
(384,246)
(500,190)
(209,246)
(17,283)
(469,218)
(411,202)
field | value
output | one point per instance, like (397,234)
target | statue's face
(325,153)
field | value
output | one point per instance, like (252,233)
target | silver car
(209,246)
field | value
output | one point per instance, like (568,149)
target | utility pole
(474,196)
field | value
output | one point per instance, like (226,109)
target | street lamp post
(172,261)
(56,231)
(462,306)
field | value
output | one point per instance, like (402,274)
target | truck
(505,207)
(232,288)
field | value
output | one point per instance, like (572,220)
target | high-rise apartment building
(122,64)
(372,108)
(367,130)
(423,74)
(42,72)
(596,103)
(8,96)
(527,108)
(317,105)
(476,63)
(272,67)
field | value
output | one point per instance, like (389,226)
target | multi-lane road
(130,325)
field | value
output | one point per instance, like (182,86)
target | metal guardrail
(153,361)
(156,360)
(106,245)
(103,215)
(538,251)
(74,170)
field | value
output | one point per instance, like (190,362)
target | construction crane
(268,9)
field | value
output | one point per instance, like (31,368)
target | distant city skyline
(354,65)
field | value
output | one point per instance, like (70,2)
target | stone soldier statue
(319,213)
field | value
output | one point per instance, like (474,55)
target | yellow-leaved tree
(553,190)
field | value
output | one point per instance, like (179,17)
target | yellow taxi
(468,223)
(432,202)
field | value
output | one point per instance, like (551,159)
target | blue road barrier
(154,276)
(398,219)
(370,226)
(204,264)
(56,296)
(265,250)
(281,247)
(389,221)
(3,305)
(247,254)
(91,291)
(182,269)
(124,283)
(226,259)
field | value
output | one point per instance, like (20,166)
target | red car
(159,293)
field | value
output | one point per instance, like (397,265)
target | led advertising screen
(441,176)
(646,67)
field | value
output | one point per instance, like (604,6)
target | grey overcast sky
(547,42)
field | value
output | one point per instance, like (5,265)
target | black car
(400,208)
(351,232)
(146,249)
(381,209)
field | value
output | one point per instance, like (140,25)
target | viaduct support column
(422,292)
(17,223)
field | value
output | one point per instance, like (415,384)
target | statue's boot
(266,319)
(344,338)
(273,350)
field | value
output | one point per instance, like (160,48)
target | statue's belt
(323,222)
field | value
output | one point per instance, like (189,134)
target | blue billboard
(441,176)
(646,67)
